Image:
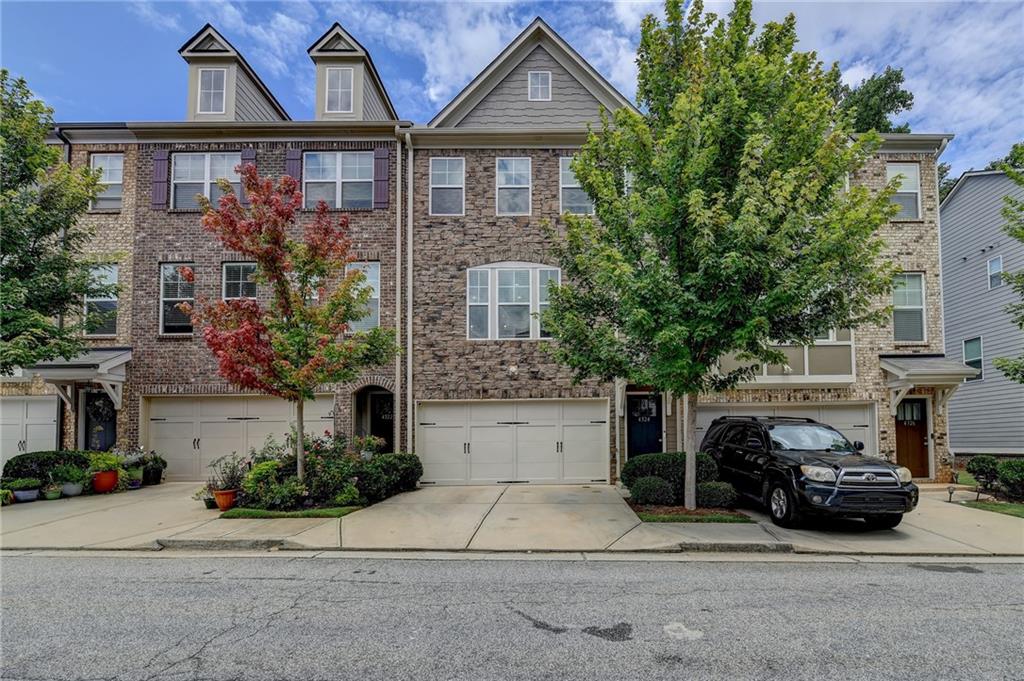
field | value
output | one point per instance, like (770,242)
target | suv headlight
(905,474)
(818,473)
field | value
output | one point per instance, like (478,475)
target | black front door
(382,418)
(100,422)
(643,424)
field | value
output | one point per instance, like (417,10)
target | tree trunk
(300,441)
(691,445)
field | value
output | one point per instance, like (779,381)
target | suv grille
(868,479)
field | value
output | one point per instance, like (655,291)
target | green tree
(874,101)
(43,273)
(722,224)
(1013,211)
(946,183)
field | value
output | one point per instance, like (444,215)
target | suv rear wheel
(883,522)
(782,506)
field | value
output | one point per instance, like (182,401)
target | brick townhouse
(449,223)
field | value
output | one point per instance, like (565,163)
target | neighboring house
(449,222)
(987,414)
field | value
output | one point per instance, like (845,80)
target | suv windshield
(809,437)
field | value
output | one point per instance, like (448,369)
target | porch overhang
(103,366)
(906,372)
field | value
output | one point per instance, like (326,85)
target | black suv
(797,466)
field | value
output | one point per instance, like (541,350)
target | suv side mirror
(754,443)
(858,445)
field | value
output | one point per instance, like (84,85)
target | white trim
(980,378)
(224,279)
(920,213)
(533,304)
(529,86)
(337,181)
(924,311)
(161,300)
(92,165)
(431,185)
(806,378)
(351,89)
(562,187)
(199,92)
(208,180)
(989,273)
(528,186)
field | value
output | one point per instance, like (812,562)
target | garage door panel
(217,439)
(173,408)
(541,411)
(258,432)
(537,453)
(584,411)
(222,407)
(27,424)
(491,453)
(447,460)
(175,442)
(435,413)
(491,412)
(584,452)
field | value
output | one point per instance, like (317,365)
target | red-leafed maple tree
(301,337)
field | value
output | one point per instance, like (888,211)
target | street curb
(224,544)
(735,546)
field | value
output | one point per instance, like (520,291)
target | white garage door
(855,421)
(494,441)
(192,432)
(27,424)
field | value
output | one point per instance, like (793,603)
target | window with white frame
(211,90)
(447,186)
(103,308)
(174,290)
(995,272)
(342,179)
(339,90)
(908,195)
(238,280)
(514,186)
(572,197)
(197,174)
(908,319)
(974,357)
(830,358)
(111,167)
(371,270)
(506,300)
(540,86)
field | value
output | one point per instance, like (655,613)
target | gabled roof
(208,42)
(537,33)
(963,180)
(337,42)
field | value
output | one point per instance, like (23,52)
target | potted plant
(132,461)
(51,491)
(367,445)
(153,466)
(24,489)
(205,495)
(103,467)
(228,474)
(72,479)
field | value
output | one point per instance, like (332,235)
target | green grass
(258,513)
(965,478)
(696,518)
(1007,508)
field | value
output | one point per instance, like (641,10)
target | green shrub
(104,461)
(984,469)
(386,475)
(669,466)
(1011,477)
(23,484)
(348,495)
(652,491)
(70,474)
(6,497)
(715,495)
(39,464)
(285,495)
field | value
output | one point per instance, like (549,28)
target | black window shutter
(293,164)
(248,156)
(161,163)
(380,177)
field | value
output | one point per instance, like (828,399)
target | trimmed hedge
(40,464)
(652,491)
(715,495)
(669,466)
(984,468)
(1011,477)
(385,475)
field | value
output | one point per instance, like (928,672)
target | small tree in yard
(1013,211)
(302,337)
(722,222)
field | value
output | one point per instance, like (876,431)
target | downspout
(408,295)
(398,292)
(618,432)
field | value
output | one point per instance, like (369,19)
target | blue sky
(103,61)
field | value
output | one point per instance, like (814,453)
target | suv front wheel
(782,506)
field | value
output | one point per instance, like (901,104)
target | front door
(382,418)
(912,437)
(643,424)
(100,426)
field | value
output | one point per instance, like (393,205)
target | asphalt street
(254,618)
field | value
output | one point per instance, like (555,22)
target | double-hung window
(371,270)
(573,198)
(513,186)
(908,195)
(103,308)
(194,174)
(339,90)
(507,300)
(908,320)
(211,90)
(540,86)
(342,179)
(174,290)
(238,281)
(447,186)
(111,167)
(974,357)
(995,272)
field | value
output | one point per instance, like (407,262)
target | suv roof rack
(802,419)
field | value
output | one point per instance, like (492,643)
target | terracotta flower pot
(104,481)
(225,498)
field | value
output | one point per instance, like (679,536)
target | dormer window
(540,86)
(339,90)
(211,90)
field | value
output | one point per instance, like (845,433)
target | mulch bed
(682,510)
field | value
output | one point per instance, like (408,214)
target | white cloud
(155,16)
